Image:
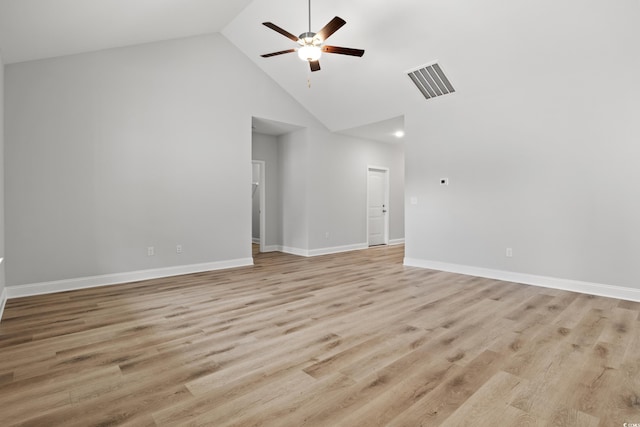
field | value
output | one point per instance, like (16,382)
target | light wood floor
(351,339)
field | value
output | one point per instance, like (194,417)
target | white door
(377,204)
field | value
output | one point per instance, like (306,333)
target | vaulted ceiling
(36,29)
(348,92)
(478,44)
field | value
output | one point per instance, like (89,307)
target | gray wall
(113,151)
(293,160)
(538,159)
(265,148)
(2,246)
(317,184)
(338,188)
(255,201)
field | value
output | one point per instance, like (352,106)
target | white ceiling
(348,92)
(382,131)
(36,29)
(271,127)
(478,44)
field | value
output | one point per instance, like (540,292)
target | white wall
(114,151)
(542,153)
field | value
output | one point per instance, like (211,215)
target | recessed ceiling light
(399,134)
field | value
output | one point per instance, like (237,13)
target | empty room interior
(319,213)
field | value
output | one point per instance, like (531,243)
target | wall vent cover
(431,81)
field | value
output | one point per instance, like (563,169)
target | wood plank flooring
(352,339)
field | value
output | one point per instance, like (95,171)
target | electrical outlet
(509,252)
(178,249)
(326,234)
(151,251)
(444,181)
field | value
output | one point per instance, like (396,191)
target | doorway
(377,206)
(258,192)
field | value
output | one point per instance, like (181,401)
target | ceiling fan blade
(269,55)
(315,65)
(333,26)
(277,29)
(343,50)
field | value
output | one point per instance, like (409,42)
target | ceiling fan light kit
(311,44)
(309,53)
(309,49)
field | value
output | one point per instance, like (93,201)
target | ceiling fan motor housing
(309,38)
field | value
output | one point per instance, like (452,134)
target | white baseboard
(3,301)
(272,248)
(323,251)
(394,242)
(599,289)
(294,251)
(114,279)
(337,249)
(255,240)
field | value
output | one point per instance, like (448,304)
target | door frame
(262,210)
(386,200)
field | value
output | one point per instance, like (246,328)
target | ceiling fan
(311,44)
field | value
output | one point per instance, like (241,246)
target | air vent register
(431,81)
